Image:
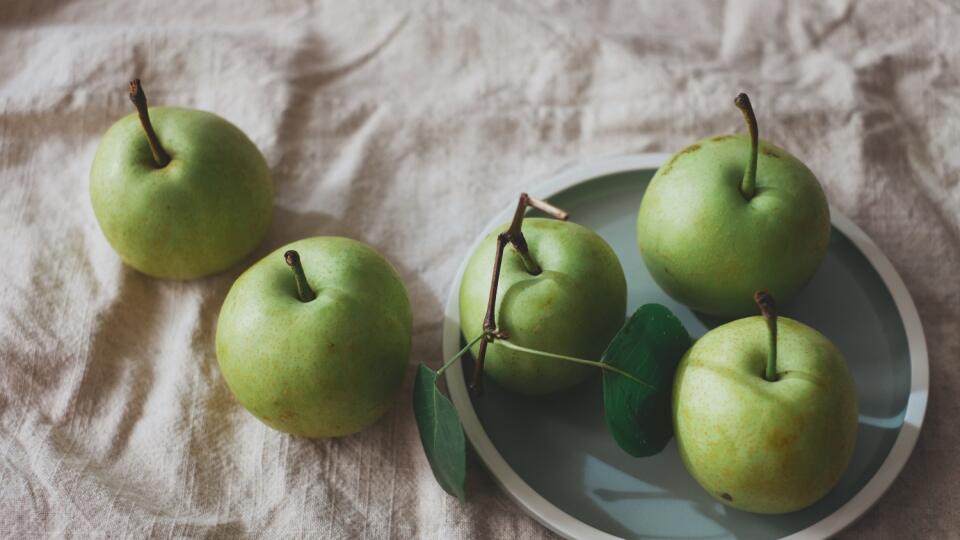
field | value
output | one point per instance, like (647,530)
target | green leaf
(440,432)
(648,347)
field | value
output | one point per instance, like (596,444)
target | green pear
(765,414)
(314,338)
(574,306)
(180,193)
(730,215)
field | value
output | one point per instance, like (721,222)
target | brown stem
(768,308)
(476,382)
(489,320)
(515,232)
(547,208)
(748,185)
(139,99)
(304,291)
(513,235)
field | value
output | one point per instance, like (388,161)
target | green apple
(730,215)
(191,198)
(574,306)
(765,414)
(314,338)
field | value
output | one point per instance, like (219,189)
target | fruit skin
(771,447)
(324,368)
(201,214)
(710,248)
(574,307)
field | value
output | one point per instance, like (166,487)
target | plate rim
(568,526)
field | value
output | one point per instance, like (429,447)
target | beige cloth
(408,126)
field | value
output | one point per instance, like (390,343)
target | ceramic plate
(555,458)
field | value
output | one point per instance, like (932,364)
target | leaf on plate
(440,432)
(648,347)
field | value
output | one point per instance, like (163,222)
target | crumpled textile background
(407,125)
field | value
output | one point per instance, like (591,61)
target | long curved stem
(459,354)
(768,308)
(593,363)
(513,235)
(490,318)
(139,99)
(748,186)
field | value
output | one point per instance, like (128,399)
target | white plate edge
(566,525)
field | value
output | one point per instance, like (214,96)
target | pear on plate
(765,413)
(572,303)
(730,215)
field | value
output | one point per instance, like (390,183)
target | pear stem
(457,356)
(489,320)
(513,235)
(575,360)
(768,308)
(304,292)
(748,186)
(139,99)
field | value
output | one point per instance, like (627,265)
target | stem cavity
(139,99)
(513,235)
(768,308)
(748,186)
(304,292)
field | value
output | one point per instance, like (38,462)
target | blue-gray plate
(554,456)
